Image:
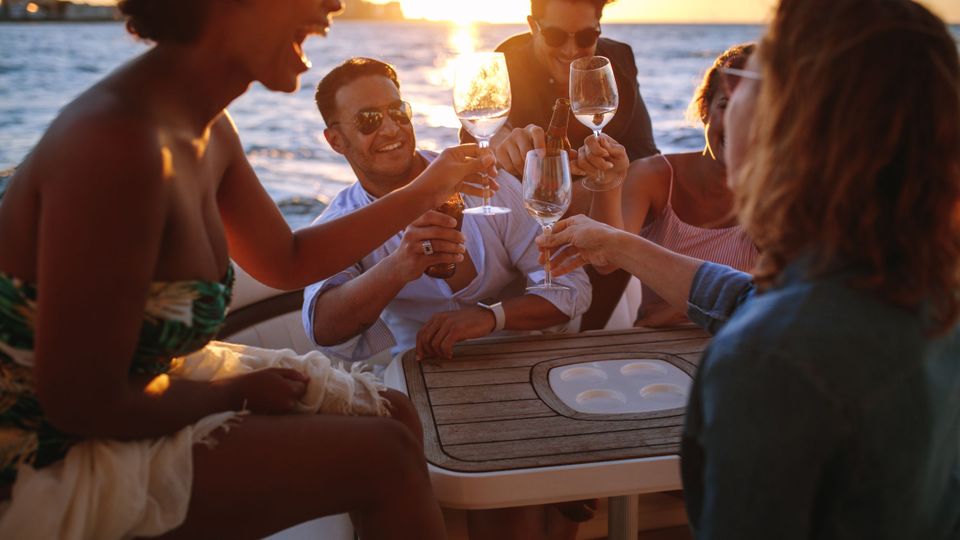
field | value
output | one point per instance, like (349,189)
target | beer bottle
(557,140)
(557,143)
(453,208)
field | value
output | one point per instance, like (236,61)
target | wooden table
(496,435)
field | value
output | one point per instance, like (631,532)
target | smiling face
(569,17)
(713,126)
(273,34)
(385,159)
(739,119)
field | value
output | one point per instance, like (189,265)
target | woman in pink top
(682,201)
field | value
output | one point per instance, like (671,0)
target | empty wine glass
(481,99)
(546,195)
(594,100)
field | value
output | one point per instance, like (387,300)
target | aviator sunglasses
(369,120)
(555,37)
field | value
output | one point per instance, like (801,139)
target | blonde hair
(734,57)
(856,150)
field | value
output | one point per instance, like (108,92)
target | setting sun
(700,11)
(501,11)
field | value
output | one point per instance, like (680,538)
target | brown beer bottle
(453,208)
(557,143)
(557,140)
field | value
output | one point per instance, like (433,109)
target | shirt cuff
(371,341)
(715,294)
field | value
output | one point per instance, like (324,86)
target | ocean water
(44,66)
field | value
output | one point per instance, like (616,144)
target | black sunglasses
(369,120)
(555,37)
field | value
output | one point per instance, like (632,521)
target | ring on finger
(427,246)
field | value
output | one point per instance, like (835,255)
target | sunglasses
(369,120)
(731,77)
(555,37)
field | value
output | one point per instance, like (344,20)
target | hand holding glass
(594,100)
(546,195)
(481,99)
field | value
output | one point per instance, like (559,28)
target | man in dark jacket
(539,65)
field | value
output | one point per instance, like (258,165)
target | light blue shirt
(502,249)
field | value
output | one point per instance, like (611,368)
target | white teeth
(298,49)
(313,30)
(390,147)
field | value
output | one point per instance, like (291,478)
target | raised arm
(263,244)
(590,242)
(709,293)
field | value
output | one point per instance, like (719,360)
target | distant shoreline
(392,21)
(62,21)
(423,21)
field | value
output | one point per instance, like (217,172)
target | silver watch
(496,307)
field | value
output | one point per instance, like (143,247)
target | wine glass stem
(548,275)
(484,143)
(599,172)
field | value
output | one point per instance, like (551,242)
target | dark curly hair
(165,20)
(539,7)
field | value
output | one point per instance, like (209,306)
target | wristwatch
(496,307)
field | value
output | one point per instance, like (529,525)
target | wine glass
(594,100)
(546,195)
(481,99)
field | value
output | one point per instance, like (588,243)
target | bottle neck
(559,120)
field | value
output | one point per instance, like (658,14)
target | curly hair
(856,150)
(734,57)
(539,7)
(344,74)
(165,20)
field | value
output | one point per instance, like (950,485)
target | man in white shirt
(385,302)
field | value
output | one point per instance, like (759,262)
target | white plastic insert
(621,386)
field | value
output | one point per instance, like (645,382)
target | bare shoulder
(225,137)
(102,157)
(101,142)
(648,178)
(225,129)
(225,142)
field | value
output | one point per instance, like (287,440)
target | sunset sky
(716,11)
(626,10)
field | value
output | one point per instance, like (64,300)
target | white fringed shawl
(105,489)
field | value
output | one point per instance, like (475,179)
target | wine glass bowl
(546,196)
(481,99)
(594,100)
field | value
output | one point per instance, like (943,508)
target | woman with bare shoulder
(682,201)
(116,239)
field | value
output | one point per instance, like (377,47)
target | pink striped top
(729,245)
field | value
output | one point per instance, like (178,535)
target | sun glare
(495,11)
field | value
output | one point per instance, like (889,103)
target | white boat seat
(265,317)
(625,312)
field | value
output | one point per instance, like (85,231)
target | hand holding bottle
(432,239)
(512,152)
